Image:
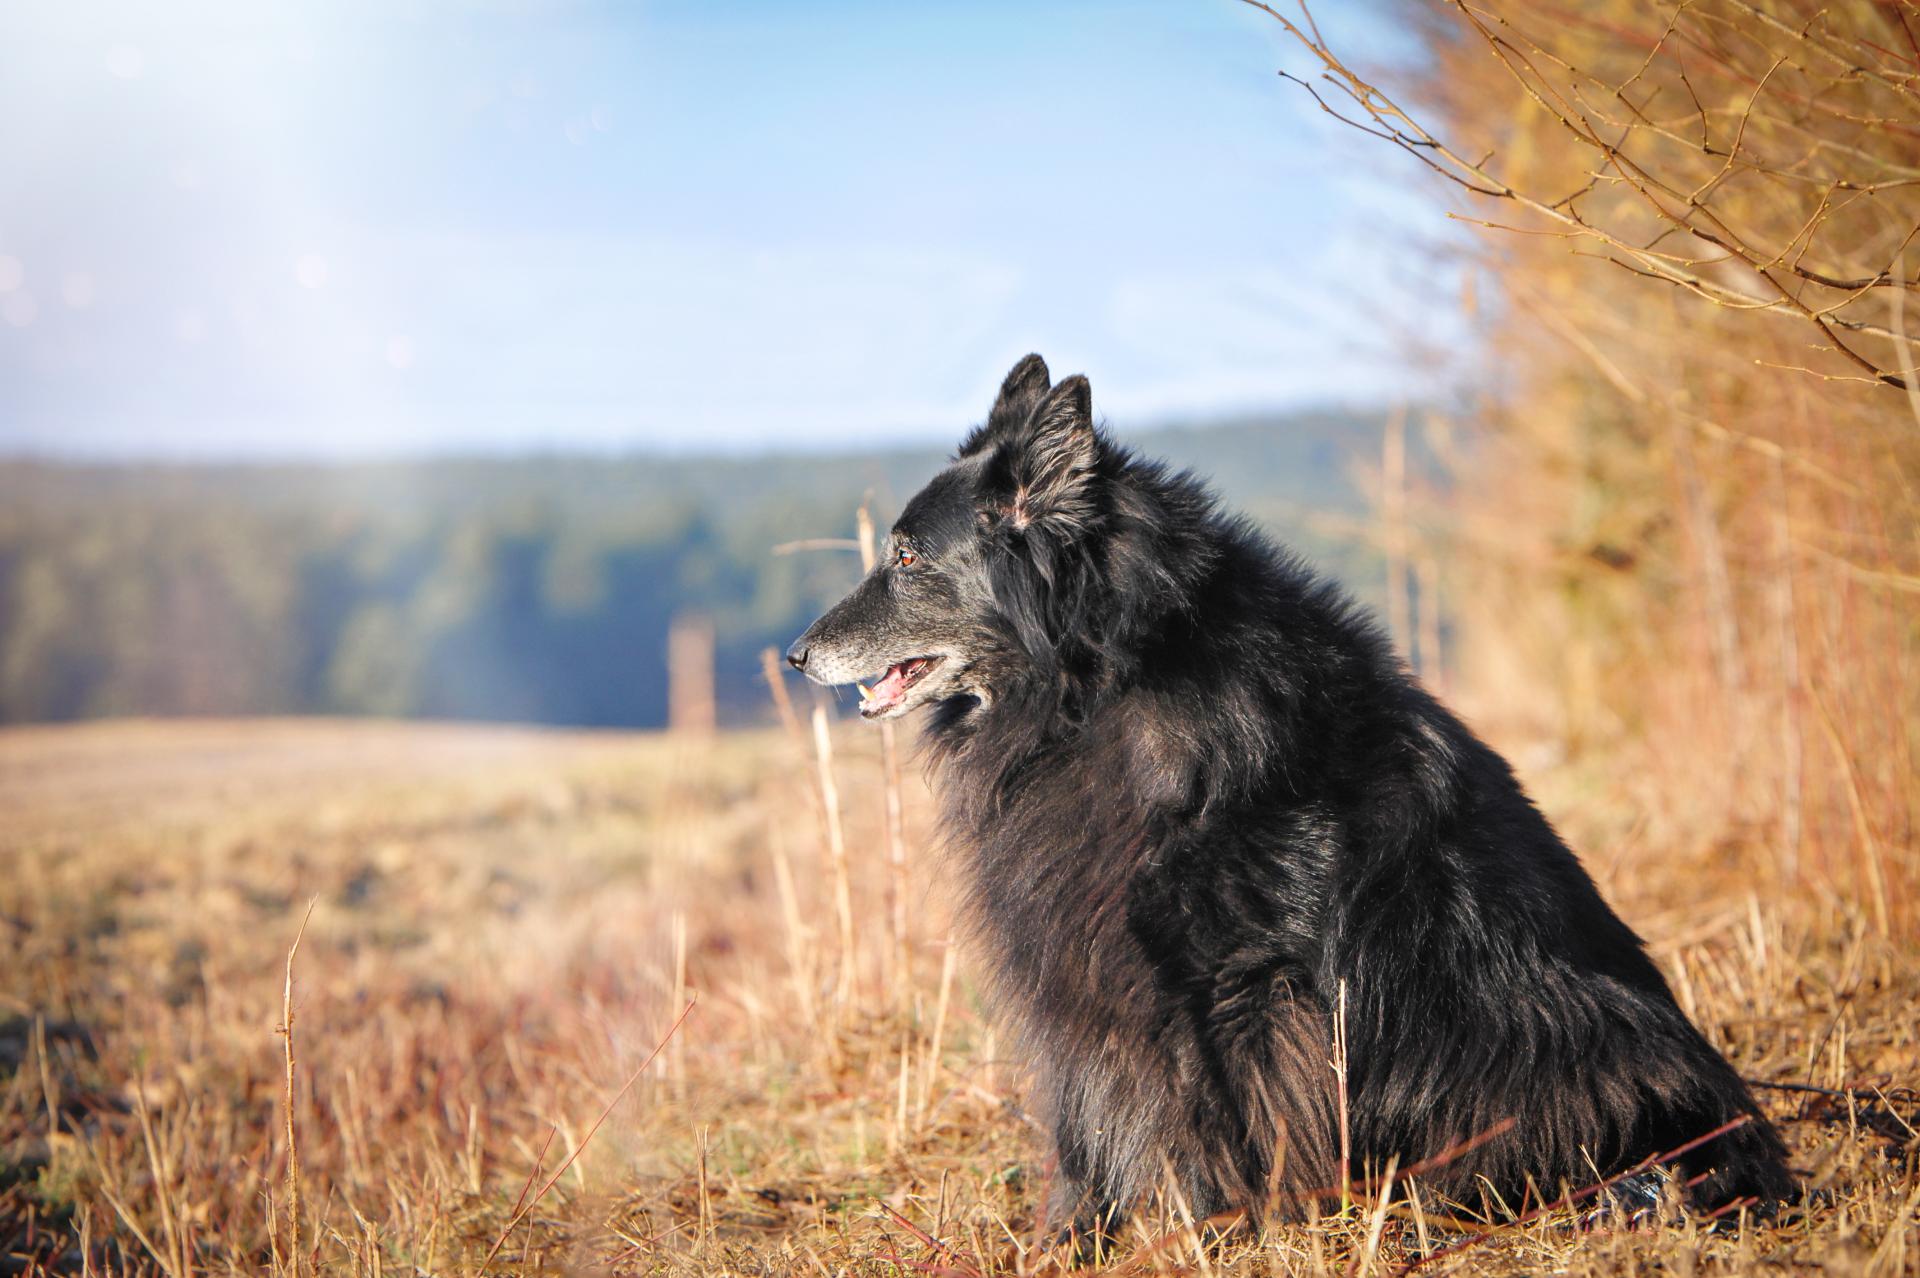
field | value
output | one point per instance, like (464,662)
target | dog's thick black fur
(1198,798)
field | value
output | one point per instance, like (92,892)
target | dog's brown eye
(905,558)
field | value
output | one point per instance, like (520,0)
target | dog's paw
(1078,1245)
(1639,1201)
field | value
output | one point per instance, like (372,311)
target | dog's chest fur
(1091,905)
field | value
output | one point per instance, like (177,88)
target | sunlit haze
(364,229)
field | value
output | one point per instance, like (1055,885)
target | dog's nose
(797,655)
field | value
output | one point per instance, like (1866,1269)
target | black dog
(1203,808)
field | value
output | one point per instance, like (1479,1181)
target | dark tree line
(534,589)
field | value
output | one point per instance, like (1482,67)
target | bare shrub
(1684,544)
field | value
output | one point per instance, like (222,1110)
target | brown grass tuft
(492,954)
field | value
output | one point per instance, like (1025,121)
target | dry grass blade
(520,1212)
(293,1144)
(895,811)
(956,1263)
(1577,1196)
(836,853)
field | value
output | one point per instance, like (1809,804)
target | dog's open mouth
(890,692)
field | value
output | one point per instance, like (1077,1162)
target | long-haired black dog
(1202,806)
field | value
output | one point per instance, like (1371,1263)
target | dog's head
(992,575)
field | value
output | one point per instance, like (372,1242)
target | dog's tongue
(890,689)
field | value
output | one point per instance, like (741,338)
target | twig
(293,1147)
(1690,212)
(1340,1083)
(896,825)
(836,849)
(1846,1093)
(782,700)
(959,1263)
(521,1212)
(816,543)
(1579,1195)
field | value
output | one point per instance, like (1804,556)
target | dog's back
(1178,894)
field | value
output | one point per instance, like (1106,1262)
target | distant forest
(536,589)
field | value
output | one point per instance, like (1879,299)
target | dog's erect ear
(1027,383)
(1019,395)
(1054,461)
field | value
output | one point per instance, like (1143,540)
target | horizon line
(744,451)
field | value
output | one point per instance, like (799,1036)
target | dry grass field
(300,998)
(506,923)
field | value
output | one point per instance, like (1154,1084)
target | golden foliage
(1685,544)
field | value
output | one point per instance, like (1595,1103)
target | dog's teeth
(866,693)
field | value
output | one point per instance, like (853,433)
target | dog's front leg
(1081,1220)
(1078,1214)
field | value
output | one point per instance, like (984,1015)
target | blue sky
(362,228)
